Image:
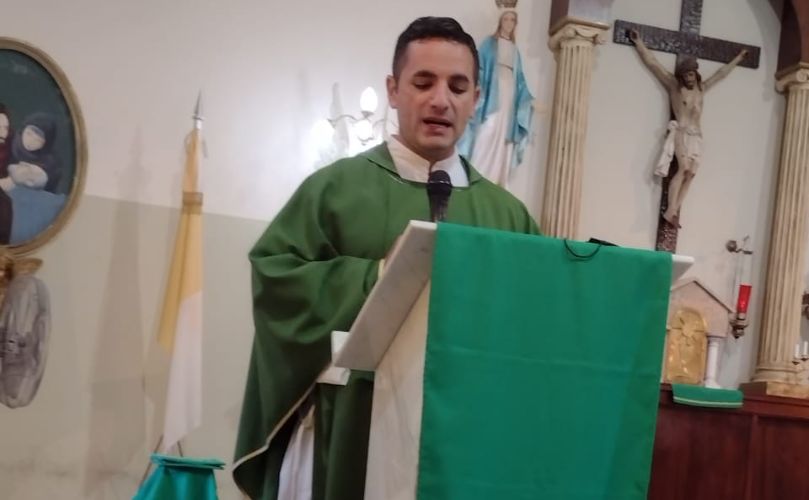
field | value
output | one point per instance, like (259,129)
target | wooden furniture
(757,452)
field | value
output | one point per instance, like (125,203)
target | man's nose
(439,100)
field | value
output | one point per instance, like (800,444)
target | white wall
(266,70)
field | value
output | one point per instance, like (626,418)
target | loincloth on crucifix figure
(683,142)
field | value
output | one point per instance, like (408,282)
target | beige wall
(99,409)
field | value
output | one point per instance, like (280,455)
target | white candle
(797,350)
(806,347)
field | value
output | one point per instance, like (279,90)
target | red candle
(744,277)
(744,298)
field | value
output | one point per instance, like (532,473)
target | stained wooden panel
(757,452)
(700,454)
(784,470)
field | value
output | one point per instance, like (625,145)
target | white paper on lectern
(335,375)
(407,271)
(680,264)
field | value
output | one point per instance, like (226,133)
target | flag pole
(149,462)
(196,198)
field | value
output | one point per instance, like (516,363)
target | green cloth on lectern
(312,270)
(180,478)
(542,368)
(695,395)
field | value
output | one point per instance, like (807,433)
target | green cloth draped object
(180,478)
(694,395)
(542,368)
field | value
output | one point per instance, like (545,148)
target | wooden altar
(757,452)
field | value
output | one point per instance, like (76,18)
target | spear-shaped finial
(198,112)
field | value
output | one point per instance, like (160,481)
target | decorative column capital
(796,77)
(578,34)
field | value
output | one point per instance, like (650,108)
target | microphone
(439,188)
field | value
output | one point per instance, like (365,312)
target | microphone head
(438,183)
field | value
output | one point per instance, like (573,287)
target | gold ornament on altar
(686,349)
(698,321)
(506,4)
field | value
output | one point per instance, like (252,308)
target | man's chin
(437,143)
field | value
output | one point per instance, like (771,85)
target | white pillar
(572,45)
(780,328)
(712,367)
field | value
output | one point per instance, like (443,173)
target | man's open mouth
(440,122)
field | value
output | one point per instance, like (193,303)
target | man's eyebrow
(424,74)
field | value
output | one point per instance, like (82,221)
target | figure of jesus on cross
(684,140)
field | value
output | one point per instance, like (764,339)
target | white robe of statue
(492,153)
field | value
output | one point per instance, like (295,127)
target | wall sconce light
(344,134)
(363,128)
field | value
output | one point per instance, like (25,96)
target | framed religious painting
(43,150)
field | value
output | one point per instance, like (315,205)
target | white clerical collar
(414,168)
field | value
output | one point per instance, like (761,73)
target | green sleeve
(530,224)
(303,289)
(525,223)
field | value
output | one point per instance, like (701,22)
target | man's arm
(303,289)
(724,70)
(667,79)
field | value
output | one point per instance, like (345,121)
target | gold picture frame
(25,70)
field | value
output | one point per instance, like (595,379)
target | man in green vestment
(315,265)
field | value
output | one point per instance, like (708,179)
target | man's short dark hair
(425,28)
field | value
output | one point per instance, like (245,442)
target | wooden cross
(685,42)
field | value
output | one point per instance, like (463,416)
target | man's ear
(391,85)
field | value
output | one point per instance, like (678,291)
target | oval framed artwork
(43,149)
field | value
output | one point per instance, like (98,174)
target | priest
(316,263)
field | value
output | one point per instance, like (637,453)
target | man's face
(690,79)
(4,128)
(434,96)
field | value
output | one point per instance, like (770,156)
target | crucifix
(682,150)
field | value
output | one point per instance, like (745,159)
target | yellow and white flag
(181,320)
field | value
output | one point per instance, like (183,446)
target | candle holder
(738,324)
(800,368)
(738,320)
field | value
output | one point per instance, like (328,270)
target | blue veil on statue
(496,136)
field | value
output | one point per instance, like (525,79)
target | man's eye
(457,89)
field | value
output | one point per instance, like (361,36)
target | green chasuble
(312,270)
